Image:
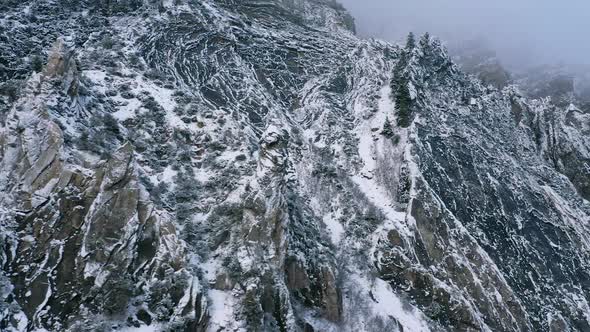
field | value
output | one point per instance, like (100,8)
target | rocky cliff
(252,165)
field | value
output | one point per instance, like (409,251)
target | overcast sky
(521,31)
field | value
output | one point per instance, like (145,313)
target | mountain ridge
(219,165)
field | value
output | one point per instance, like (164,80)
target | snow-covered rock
(240,166)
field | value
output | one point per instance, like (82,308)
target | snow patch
(413,91)
(369,149)
(334,227)
(143,328)
(385,303)
(221,312)
(390,304)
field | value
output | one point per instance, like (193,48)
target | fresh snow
(221,312)
(379,300)
(334,227)
(369,150)
(387,303)
(143,328)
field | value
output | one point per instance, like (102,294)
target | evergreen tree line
(401,81)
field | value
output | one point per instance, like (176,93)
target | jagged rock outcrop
(87,241)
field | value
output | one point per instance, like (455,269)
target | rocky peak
(61,64)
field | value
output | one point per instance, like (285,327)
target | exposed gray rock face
(240,166)
(87,240)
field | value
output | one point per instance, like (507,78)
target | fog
(522,32)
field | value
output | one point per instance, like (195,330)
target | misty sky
(521,31)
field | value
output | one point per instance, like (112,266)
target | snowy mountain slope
(252,165)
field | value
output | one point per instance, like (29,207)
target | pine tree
(189,233)
(426,49)
(37,63)
(400,83)
(399,73)
(410,42)
(403,102)
(387,129)
(185,195)
(425,41)
(404,59)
